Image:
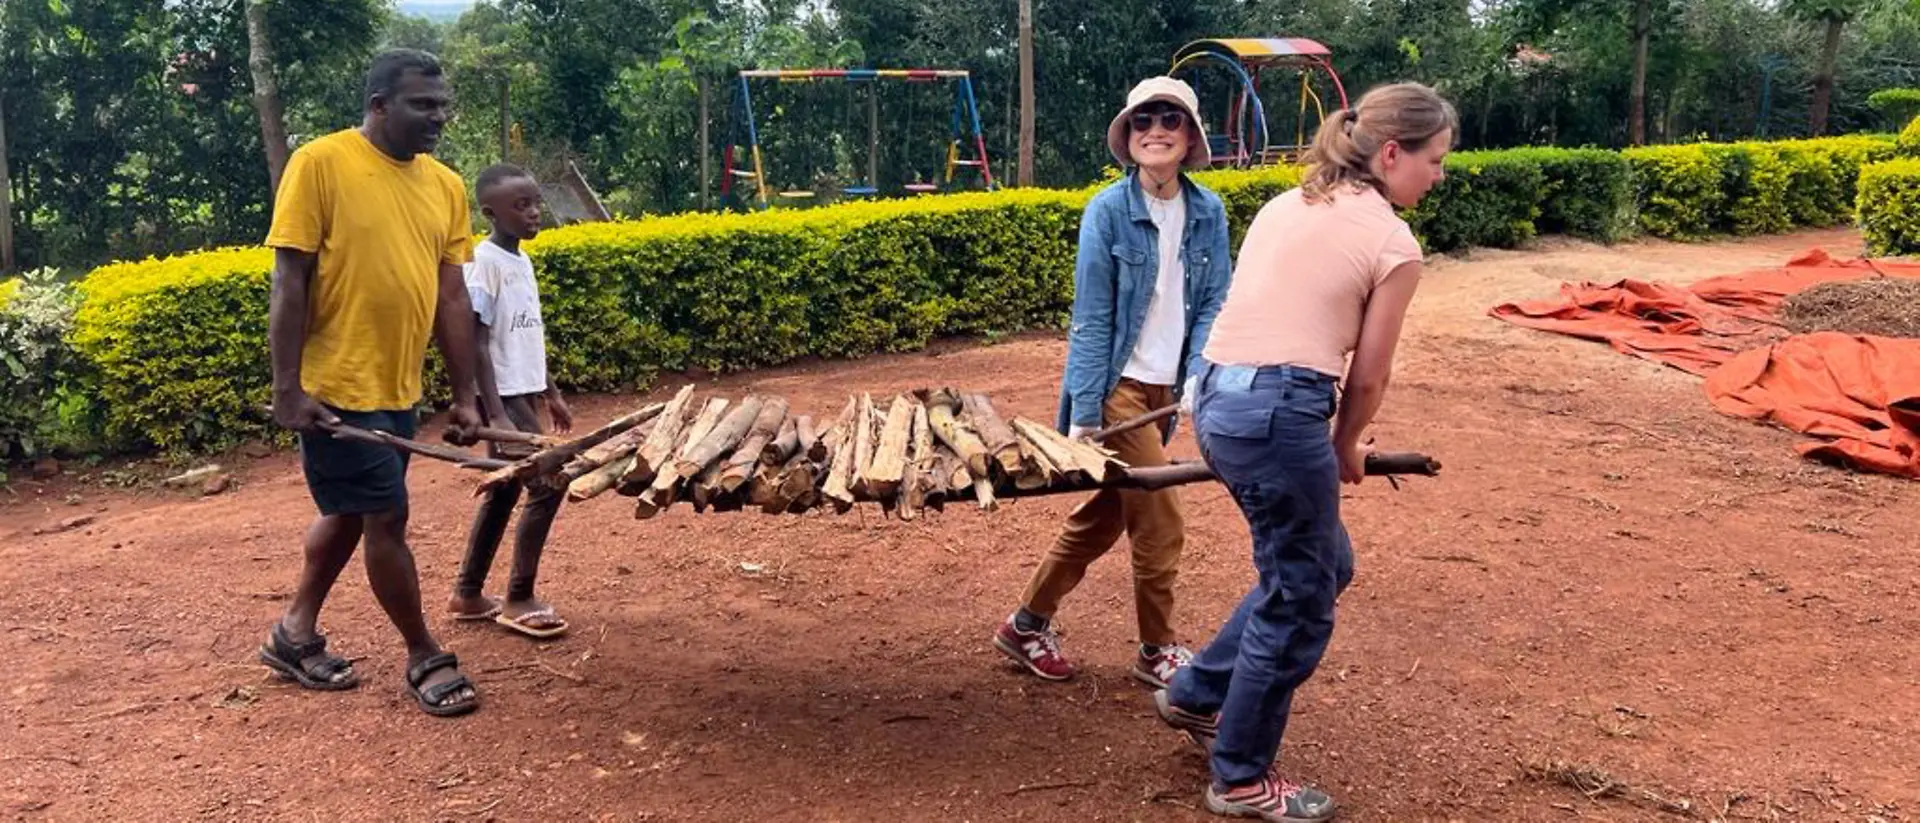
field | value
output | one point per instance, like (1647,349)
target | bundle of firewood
(910,452)
(913,452)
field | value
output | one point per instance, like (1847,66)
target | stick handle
(1125,426)
(457,457)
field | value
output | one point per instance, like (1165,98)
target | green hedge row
(175,350)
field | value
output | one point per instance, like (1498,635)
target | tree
(1025,175)
(266,93)
(1834,14)
(6,196)
(1637,98)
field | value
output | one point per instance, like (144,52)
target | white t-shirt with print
(500,283)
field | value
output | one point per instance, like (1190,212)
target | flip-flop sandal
(489,614)
(284,657)
(432,698)
(520,624)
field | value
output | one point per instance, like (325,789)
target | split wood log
(616,450)
(920,458)
(1051,446)
(784,443)
(1036,471)
(1069,455)
(596,482)
(863,444)
(994,433)
(704,490)
(723,438)
(942,408)
(660,494)
(659,445)
(886,473)
(771,423)
(838,487)
(811,440)
(548,461)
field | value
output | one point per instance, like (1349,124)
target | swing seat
(796,193)
(744,173)
(922,188)
(859,190)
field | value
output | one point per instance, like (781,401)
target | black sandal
(286,658)
(431,698)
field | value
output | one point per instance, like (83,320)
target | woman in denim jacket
(1151,274)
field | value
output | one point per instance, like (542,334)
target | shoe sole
(1224,808)
(1018,657)
(1241,810)
(1165,710)
(1148,678)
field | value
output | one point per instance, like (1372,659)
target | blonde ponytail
(1342,153)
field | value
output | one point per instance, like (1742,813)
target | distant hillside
(439,11)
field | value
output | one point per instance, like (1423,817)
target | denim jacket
(1113,282)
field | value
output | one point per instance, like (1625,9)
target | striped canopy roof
(1254,51)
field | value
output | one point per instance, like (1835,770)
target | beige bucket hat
(1170,90)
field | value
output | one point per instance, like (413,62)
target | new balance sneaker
(1037,651)
(1273,800)
(1203,728)
(1156,669)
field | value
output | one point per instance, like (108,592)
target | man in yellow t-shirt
(369,234)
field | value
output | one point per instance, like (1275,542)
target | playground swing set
(1244,139)
(964,123)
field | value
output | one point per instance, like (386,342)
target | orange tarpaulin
(1690,328)
(1860,394)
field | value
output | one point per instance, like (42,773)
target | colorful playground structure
(1243,137)
(964,124)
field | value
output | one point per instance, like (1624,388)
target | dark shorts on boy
(347,477)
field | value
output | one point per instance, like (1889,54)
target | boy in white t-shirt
(512,372)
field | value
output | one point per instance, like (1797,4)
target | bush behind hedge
(1889,206)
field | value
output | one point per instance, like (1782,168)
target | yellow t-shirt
(381,229)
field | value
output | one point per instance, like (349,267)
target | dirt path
(1609,574)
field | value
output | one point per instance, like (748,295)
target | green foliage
(1908,143)
(179,347)
(1690,192)
(1898,106)
(1487,199)
(36,315)
(1889,206)
(1243,193)
(1585,193)
(627,299)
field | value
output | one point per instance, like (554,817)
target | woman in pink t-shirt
(1326,270)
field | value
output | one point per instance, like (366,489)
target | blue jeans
(1265,431)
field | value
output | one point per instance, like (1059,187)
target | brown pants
(1151,521)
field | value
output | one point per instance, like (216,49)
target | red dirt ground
(1607,574)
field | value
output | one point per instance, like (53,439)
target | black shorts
(347,477)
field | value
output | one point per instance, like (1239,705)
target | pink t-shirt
(1303,278)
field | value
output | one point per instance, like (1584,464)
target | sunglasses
(1170,119)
